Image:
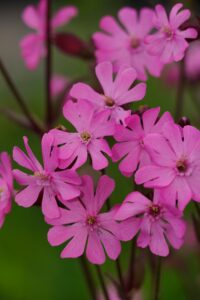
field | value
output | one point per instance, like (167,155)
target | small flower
(192,61)
(170,41)
(58,85)
(175,164)
(6,186)
(156,222)
(126,44)
(116,93)
(53,183)
(84,227)
(33,45)
(130,149)
(91,127)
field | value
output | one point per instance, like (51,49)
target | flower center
(91,220)
(135,43)
(181,166)
(168,32)
(85,136)
(42,178)
(154,210)
(109,101)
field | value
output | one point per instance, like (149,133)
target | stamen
(181,166)
(135,43)
(85,136)
(109,101)
(154,210)
(168,32)
(91,220)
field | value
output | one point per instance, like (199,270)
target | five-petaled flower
(130,148)
(33,46)
(91,128)
(176,164)
(156,221)
(170,41)
(116,93)
(84,226)
(6,186)
(53,183)
(126,45)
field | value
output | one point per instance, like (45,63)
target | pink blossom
(170,41)
(130,149)
(52,183)
(125,43)
(176,164)
(58,85)
(85,227)
(192,61)
(6,186)
(116,93)
(114,295)
(156,221)
(33,45)
(91,128)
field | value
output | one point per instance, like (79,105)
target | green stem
(48,69)
(102,282)
(157,278)
(88,277)
(22,104)
(180,93)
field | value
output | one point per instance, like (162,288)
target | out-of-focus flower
(85,227)
(126,45)
(130,148)
(156,221)
(191,66)
(114,295)
(176,164)
(91,127)
(170,41)
(6,186)
(33,46)
(116,93)
(58,85)
(54,184)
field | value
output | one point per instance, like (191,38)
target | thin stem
(157,278)
(48,69)
(131,266)
(102,282)
(180,93)
(197,208)
(35,126)
(88,277)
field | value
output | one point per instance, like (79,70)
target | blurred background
(29,267)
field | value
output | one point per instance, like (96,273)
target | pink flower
(6,186)
(58,85)
(125,43)
(156,222)
(52,183)
(83,226)
(33,45)
(192,61)
(131,150)
(176,164)
(170,41)
(116,93)
(91,128)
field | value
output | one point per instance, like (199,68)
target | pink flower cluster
(132,42)
(150,148)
